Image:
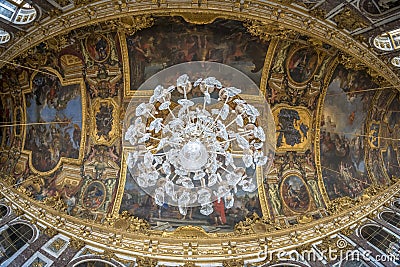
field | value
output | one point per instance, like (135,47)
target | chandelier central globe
(193,155)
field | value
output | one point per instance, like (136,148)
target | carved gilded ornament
(146,262)
(77,243)
(233,263)
(349,19)
(268,30)
(127,222)
(50,231)
(198,18)
(349,62)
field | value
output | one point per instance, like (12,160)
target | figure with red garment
(219,212)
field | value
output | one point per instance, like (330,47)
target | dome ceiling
(334,103)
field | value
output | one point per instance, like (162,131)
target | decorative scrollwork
(266,31)
(131,24)
(50,231)
(56,202)
(340,204)
(233,263)
(127,222)
(146,262)
(189,231)
(350,62)
(255,224)
(77,243)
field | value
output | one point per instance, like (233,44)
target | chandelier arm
(223,142)
(205,100)
(219,114)
(225,169)
(224,154)
(159,139)
(169,109)
(229,124)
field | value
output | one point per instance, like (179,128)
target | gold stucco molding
(266,13)
(180,245)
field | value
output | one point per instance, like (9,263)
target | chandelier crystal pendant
(192,152)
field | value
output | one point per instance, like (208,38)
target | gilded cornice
(135,239)
(288,17)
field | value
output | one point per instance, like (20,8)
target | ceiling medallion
(197,141)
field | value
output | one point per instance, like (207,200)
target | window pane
(6,13)
(3,209)
(391,218)
(94,264)
(381,239)
(8,4)
(14,238)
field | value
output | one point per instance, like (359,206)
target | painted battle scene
(172,41)
(56,112)
(342,147)
(295,194)
(389,143)
(302,65)
(140,204)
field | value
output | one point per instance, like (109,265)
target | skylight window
(396,61)
(4,36)
(17,11)
(388,41)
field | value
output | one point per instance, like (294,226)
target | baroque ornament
(193,151)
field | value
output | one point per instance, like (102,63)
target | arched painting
(98,47)
(172,41)
(295,193)
(94,195)
(302,64)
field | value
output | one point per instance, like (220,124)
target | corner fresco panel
(6,117)
(3,121)
(342,148)
(172,41)
(56,114)
(141,205)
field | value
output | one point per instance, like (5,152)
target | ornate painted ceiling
(67,80)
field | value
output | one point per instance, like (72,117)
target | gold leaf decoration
(127,222)
(189,231)
(266,31)
(146,262)
(77,243)
(233,263)
(349,19)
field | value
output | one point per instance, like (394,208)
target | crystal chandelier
(192,151)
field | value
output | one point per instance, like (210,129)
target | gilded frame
(84,112)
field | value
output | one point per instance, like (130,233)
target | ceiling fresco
(58,110)
(342,148)
(171,41)
(337,137)
(87,184)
